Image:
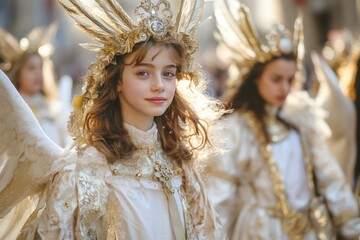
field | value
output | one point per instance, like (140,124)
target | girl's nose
(158,83)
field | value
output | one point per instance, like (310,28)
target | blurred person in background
(342,52)
(333,92)
(28,65)
(277,178)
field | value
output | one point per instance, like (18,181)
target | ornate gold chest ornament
(164,175)
(276,129)
(142,166)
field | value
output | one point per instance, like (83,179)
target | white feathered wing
(26,155)
(341,117)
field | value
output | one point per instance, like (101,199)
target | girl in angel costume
(136,136)
(276,179)
(27,63)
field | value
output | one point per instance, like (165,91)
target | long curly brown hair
(103,126)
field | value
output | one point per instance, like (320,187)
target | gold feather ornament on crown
(241,44)
(117,34)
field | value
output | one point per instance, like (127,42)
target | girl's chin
(276,105)
(281,102)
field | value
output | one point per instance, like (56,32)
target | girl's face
(275,82)
(30,76)
(147,89)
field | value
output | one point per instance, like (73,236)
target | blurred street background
(320,17)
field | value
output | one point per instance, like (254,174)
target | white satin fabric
(341,117)
(289,158)
(145,209)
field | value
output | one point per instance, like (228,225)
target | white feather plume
(341,116)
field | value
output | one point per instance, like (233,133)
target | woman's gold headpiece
(239,38)
(39,40)
(342,53)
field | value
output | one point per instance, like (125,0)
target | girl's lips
(281,98)
(157,100)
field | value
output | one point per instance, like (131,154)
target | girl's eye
(169,74)
(31,68)
(142,74)
(276,80)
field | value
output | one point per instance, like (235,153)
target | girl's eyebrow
(276,74)
(152,66)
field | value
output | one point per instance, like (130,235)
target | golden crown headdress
(342,53)
(117,34)
(39,40)
(239,38)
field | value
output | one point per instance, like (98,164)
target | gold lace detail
(295,224)
(139,175)
(142,166)
(164,175)
(342,218)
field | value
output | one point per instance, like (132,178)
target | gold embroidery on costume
(277,130)
(92,193)
(139,167)
(164,175)
(342,218)
(111,223)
